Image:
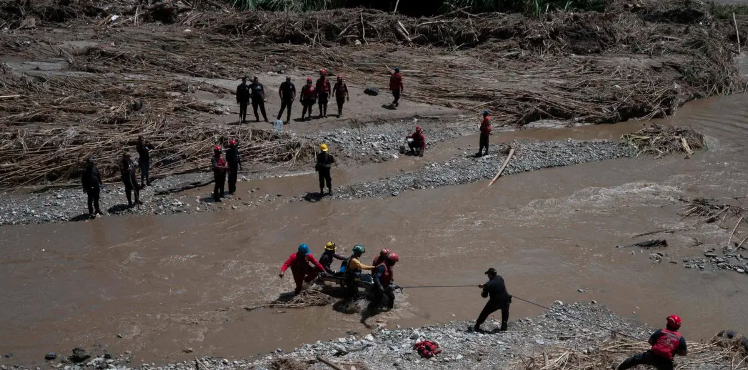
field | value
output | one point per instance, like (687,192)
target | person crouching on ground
(328,256)
(418,143)
(666,343)
(498,299)
(302,271)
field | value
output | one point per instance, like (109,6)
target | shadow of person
(388,107)
(117,209)
(313,197)
(81,217)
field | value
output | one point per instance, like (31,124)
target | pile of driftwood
(306,298)
(662,139)
(729,355)
(710,211)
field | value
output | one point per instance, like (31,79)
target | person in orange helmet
(666,343)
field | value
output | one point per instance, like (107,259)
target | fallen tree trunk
(654,243)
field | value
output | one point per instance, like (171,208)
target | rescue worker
(144,160)
(418,145)
(258,98)
(396,86)
(383,279)
(302,271)
(308,98)
(242,98)
(499,299)
(235,163)
(666,343)
(323,91)
(485,132)
(353,268)
(340,93)
(220,167)
(127,171)
(323,167)
(287,94)
(328,256)
(381,257)
(91,181)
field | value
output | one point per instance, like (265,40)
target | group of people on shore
(311,93)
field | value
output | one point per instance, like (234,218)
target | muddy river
(167,283)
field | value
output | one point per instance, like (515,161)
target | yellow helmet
(323,147)
(330,246)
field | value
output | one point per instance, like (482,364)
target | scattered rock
(50,356)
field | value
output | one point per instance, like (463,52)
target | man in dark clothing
(396,86)
(91,181)
(287,93)
(234,162)
(499,299)
(219,173)
(242,98)
(258,98)
(418,144)
(666,343)
(323,91)
(340,93)
(144,160)
(127,170)
(485,132)
(323,166)
(383,278)
(308,98)
(328,256)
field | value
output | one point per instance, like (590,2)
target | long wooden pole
(737,32)
(503,166)
(398,3)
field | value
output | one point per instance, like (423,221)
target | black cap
(491,271)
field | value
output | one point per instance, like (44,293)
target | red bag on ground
(427,348)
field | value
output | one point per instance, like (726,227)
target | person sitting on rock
(383,278)
(666,343)
(328,256)
(418,143)
(299,263)
(498,299)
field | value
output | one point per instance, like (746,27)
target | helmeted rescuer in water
(666,343)
(383,279)
(299,263)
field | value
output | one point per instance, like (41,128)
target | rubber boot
(503,326)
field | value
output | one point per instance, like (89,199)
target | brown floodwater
(167,283)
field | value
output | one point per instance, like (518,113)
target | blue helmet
(304,249)
(485,112)
(397,69)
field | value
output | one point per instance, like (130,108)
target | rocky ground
(585,328)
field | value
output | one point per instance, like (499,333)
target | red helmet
(673,322)
(340,77)
(217,148)
(393,257)
(323,71)
(232,142)
(418,128)
(384,252)
(308,79)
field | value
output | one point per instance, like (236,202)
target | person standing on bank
(287,94)
(323,92)
(219,173)
(498,299)
(340,93)
(91,181)
(242,98)
(485,132)
(235,163)
(127,171)
(396,86)
(258,98)
(308,98)
(144,160)
(323,166)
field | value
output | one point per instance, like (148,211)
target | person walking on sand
(242,98)
(219,165)
(323,92)
(91,181)
(498,299)
(323,166)
(235,163)
(666,343)
(127,172)
(485,132)
(340,93)
(308,98)
(144,160)
(396,86)
(287,94)
(299,263)
(258,98)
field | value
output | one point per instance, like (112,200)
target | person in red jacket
(308,98)
(302,271)
(485,132)
(340,93)
(666,343)
(383,278)
(418,144)
(396,86)
(323,92)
